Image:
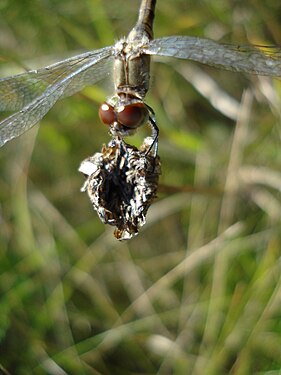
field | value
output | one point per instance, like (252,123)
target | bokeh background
(198,291)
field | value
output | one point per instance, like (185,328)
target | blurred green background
(198,291)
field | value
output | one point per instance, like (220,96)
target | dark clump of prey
(121,183)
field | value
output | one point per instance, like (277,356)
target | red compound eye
(107,114)
(132,115)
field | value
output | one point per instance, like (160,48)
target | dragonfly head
(124,117)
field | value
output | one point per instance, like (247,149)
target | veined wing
(248,59)
(19,90)
(63,85)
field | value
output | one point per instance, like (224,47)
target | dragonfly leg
(155,132)
(155,136)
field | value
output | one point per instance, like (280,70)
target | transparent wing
(64,84)
(249,59)
(19,90)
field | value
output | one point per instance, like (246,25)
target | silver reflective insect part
(121,183)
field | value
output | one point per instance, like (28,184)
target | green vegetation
(199,290)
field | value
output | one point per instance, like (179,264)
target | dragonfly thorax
(131,68)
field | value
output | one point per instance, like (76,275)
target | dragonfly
(30,95)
